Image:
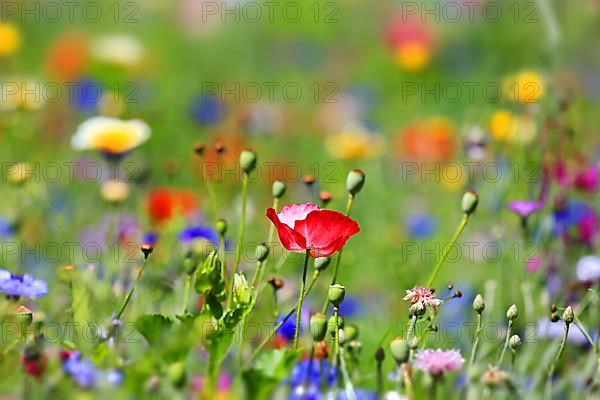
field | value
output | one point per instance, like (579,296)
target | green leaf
(154,327)
(270,368)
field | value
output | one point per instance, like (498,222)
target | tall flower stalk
(301,299)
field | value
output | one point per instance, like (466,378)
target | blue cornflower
(83,372)
(6,228)
(114,377)
(200,232)
(22,286)
(421,226)
(207,109)
(87,95)
(350,307)
(150,238)
(306,386)
(570,216)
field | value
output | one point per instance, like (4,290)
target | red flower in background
(304,227)
(165,203)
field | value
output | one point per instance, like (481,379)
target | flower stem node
(512,313)
(336,294)
(478,304)
(248,160)
(318,326)
(278,189)
(221,227)
(400,350)
(514,342)
(355,181)
(262,252)
(568,315)
(469,202)
(321,263)
(146,249)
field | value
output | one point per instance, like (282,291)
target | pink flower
(587,180)
(304,227)
(438,362)
(422,297)
(525,208)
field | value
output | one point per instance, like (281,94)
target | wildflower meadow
(328,199)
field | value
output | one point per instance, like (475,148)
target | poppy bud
(478,304)
(351,332)
(514,342)
(221,227)
(568,315)
(248,160)
(336,294)
(199,149)
(176,374)
(189,266)
(321,263)
(275,282)
(331,325)
(355,181)
(512,313)
(318,326)
(220,147)
(325,197)
(278,189)
(262,252)
(380,355)
(400,350)
(146,249)
(23,316)
(469,202)
(309,180)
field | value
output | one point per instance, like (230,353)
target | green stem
(186,292)
(222,256)
(240,244)
(339,257)
(301,299)
(130,293)
(436,270)
(411,331)
(505,343)
(587,335)
(476,344)
(559,353)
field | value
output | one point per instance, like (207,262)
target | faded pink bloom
(587,180)
(438,362)
(422,297)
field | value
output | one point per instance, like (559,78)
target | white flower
(588,268)
(110,135)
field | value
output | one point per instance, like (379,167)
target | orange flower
(429,140)
(165,203)
(68,56)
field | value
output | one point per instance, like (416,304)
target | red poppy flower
(304,227)
(164,203)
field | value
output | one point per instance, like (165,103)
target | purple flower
(83,372)
(22,286)
(438,362)
(554,330)
(588,269)
(525,208)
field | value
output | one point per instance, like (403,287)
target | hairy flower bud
(469,202)
(512,313)
(478,304)
(400,350)
(336,294)
(321,263)
(568,315)
(514,342)
(262,252)
(221,227)
(355,181)
(278,189)
(248,160)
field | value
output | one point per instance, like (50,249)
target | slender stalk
(222,257)
(301,299)
(130,293)
(407,380)
(348,387)
(240,244)
(186,292)
(379,380)
(476,344)
(339,257)
(436,270)
(411,333)
(587,335)
(559,353)
(505,343)
(268,338)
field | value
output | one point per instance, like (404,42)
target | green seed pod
(514,342)
(189,265)
(321,263)
(512,313)
(221,227)
(351,332)
(400,350)
(248,160)
(336,294)
(23,316)
(176,374)
(469,202)
(478,304)
(331,325)
(355,181)
(278,189)
(568,315)
(318,326)
(262,252)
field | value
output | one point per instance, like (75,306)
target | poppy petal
(290,239)
(326,231)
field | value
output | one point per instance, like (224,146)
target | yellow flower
(110,135)
(354,143)
(10,39)
(525,87)
(115,191)
(505,126)
(18,173)
(412,56)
